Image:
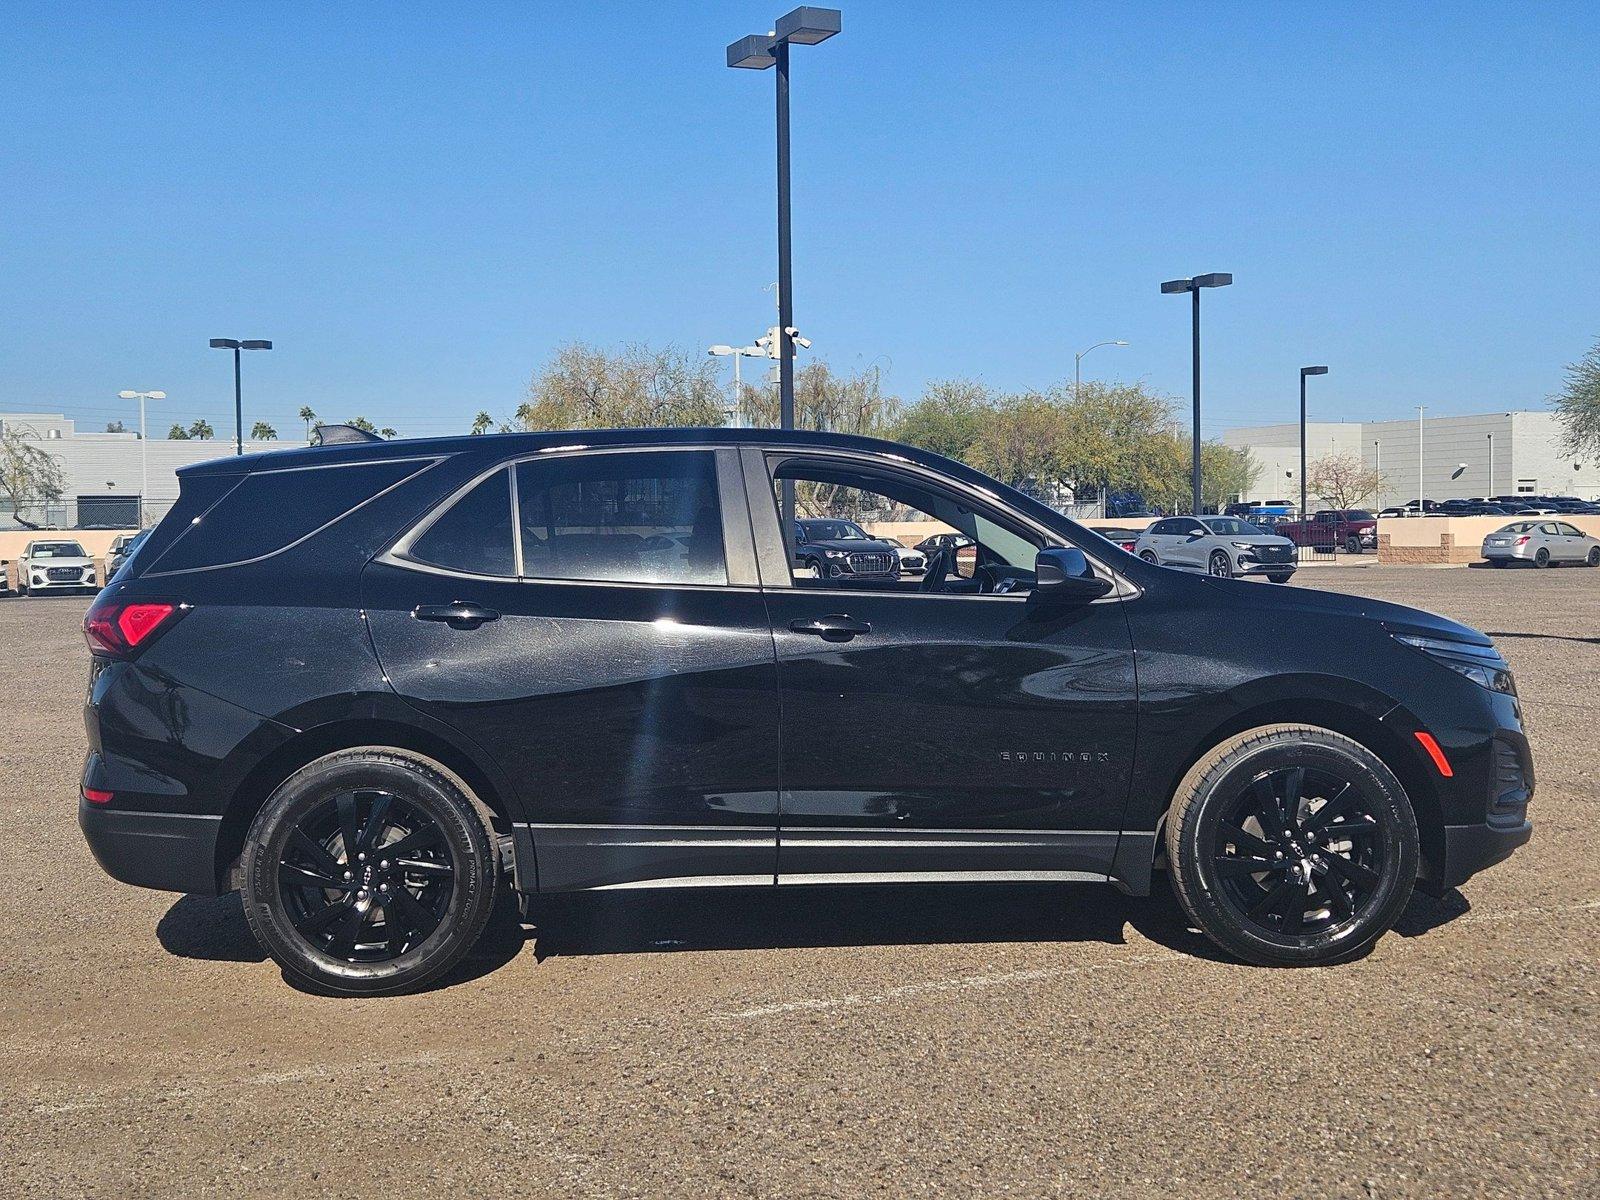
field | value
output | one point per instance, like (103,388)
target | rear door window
(636,517)
(474,534)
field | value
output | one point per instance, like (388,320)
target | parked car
(55,566)
(1542,543)
(912,562)
(5,579)
(835,549)
(1221,546)
(121,547)
(1352,529)
(498,684)
(1126,539)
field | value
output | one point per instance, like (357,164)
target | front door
(939,728)
(593,622)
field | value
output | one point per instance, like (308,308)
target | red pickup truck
(1351,529)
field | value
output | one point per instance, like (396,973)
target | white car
(1220,546)
(1542,543)
(55,566)
(913,563)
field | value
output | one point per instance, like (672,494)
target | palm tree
(177,434)
(262,432)
(202,429)
(307,416)
(482,423)
(387,432)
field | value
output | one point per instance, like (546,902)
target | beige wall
(1450,539)
(96,541)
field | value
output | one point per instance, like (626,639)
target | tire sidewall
(1227,565)
(1229,775)
(472,886)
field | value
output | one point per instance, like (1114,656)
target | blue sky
(417,203)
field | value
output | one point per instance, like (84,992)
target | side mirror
(1196,536)
(1062,573)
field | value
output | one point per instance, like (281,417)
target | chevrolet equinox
(369,685)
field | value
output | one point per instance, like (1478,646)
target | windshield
(58,550)
(834,531)
(1233,527)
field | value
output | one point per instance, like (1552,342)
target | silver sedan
(1223,546)
(1542,543)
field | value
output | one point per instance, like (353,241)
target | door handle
(458,614)
(835,628)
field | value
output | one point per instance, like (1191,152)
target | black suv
(368,685)
(833,549)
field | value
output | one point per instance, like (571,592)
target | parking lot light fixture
(1077,367)
(1174,287)
(735,413)
(805,26)
(236,345)
(1304,371)
(144,468)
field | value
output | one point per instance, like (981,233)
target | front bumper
(1469,849)
(1250,565)
(173,852)
(62,585)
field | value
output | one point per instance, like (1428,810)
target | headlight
(1481,664)
(1244,545)
(837,553)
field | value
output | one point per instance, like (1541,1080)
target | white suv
(55,567)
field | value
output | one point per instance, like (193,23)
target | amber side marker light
(1435,753)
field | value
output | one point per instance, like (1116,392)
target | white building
(1496,454)
(103,471)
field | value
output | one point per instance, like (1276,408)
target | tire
(1541,559)
(1220,565)
(1360,862)
(1150,557)
(1352,545)
(1279,577)
(416,916)
(1593,559)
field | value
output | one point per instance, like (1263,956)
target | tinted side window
(474,534)
(269,510)
(1160,527)
(624,518)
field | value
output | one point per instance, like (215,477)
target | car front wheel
(367,872)
(1593,559)
(1221,565)
(1292,845)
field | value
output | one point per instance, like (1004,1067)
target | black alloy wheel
(1593,559)
(366,876)
(1292,845)
(1542,557)
(368,871)
(1221,565)
(1352,545)
(1149,556)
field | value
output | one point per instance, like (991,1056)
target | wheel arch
(1357,725)
(320,740)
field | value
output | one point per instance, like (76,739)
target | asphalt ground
(915,1042)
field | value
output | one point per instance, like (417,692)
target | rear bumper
(167,851)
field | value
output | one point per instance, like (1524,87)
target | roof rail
(333,435)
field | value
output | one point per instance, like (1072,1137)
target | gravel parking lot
(1032,1042)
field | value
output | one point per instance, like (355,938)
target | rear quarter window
(271,510)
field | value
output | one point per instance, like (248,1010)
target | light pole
(1304,371)
(757,52)
(1193,286)
(236,345)
(1489,495)
(1422,507)
(1077,367)
(144,458)
(1377,470)
(736,413)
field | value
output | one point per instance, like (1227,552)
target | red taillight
(119,629)
(96,796)
(1523,540)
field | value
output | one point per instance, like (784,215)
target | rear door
(593,621)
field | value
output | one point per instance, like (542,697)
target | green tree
(947,418)
(27,473)
(115,427)
(1021,442)
(362,423)
(1577,406)
(201,429)
(262,432)
(387,432)
(308,417)
(827,400)
(587,387)
(177,434)
(482,423)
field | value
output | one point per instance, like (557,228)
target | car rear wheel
(1148,555)
(1542,558)
(1221,565)
(368,872)
(1292,845)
